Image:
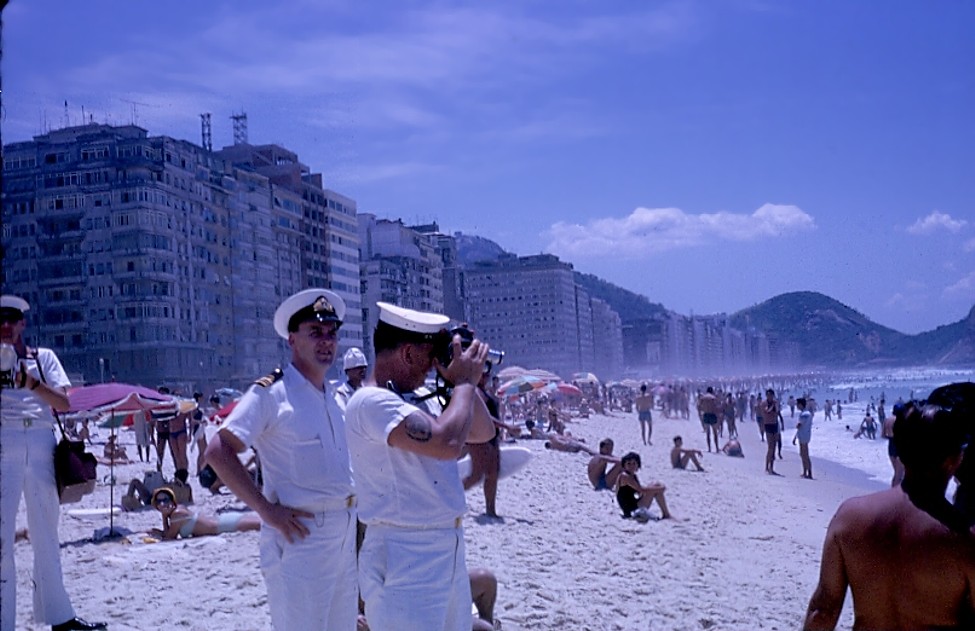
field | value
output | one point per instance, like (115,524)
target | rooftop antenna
(240,128)
(207,131)
(67,120)
(135,109)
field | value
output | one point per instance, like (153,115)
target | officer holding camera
(412,570)
(32,382)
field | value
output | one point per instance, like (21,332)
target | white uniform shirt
(397,487)
(299,433)
(20,404)
(343,393)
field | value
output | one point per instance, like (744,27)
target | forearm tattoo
(418,428)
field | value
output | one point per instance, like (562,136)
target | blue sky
(708,155)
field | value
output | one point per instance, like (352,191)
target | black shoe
(77,624)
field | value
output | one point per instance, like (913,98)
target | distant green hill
(828,333)
(831,334)
(629,305)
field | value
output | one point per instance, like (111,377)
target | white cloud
(969,246)
(936,221)
(964,288)
(651,230)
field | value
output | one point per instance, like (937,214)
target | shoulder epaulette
(267,380)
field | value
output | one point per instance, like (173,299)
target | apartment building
(152,260)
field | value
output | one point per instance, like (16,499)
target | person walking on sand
(772,418)
(803,436)
(644,407)
(307,505)
(907,555)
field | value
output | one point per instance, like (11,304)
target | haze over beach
(708,155)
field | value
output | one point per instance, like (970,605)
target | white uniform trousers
(27,468)
(311,583)
(415,579)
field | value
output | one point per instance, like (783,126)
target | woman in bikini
(632,495)
(183,523)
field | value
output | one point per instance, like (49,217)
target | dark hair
(165,490)
(606,442)
(925,435)
(387,337)
(678,438)
(631,456)
(801,402)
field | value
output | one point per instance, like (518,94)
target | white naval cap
(8,301)
(320,305)
(419,323)
(354,358)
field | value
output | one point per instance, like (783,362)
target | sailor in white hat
(412,571)
(307,504)
(33,382)
(354,363)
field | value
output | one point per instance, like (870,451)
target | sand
(742,553)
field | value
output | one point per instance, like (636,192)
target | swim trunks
(601,484)
(891,448)
(644,415)
(676,461)
(709,419)
(771,428)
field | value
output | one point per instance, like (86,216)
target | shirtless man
(558,442)
(907,555)
(601,479)
(707,407)
(772,418)
(888,433)
(680,457)
(644,405)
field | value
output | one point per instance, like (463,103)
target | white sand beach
(743,552)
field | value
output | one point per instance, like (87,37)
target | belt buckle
(28,423)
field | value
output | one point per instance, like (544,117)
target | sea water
(833,439)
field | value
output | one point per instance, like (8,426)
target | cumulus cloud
(652,230)
(935,222)
(963,288)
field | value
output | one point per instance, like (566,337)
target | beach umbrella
(520,385)
(225,411)
(231,394)
(115,420)
(510,372)
(114,398)
(585,377)
(544,375)
(564,388)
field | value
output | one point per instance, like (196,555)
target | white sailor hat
(418,323)
(8,301)
(354,358)
(319,305)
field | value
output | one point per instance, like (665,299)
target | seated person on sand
(599,477)
(583,409)
(183,523)
(632,495)
(733,448)
(557,442)
(114,451)
(679,457)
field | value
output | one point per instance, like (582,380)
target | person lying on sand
(180,522)
(557,442)
(633,496)
(733,448)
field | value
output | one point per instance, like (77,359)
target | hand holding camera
(466,363)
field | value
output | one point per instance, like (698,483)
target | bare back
(906,570)
(708,404)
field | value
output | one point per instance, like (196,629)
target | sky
(706,154)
